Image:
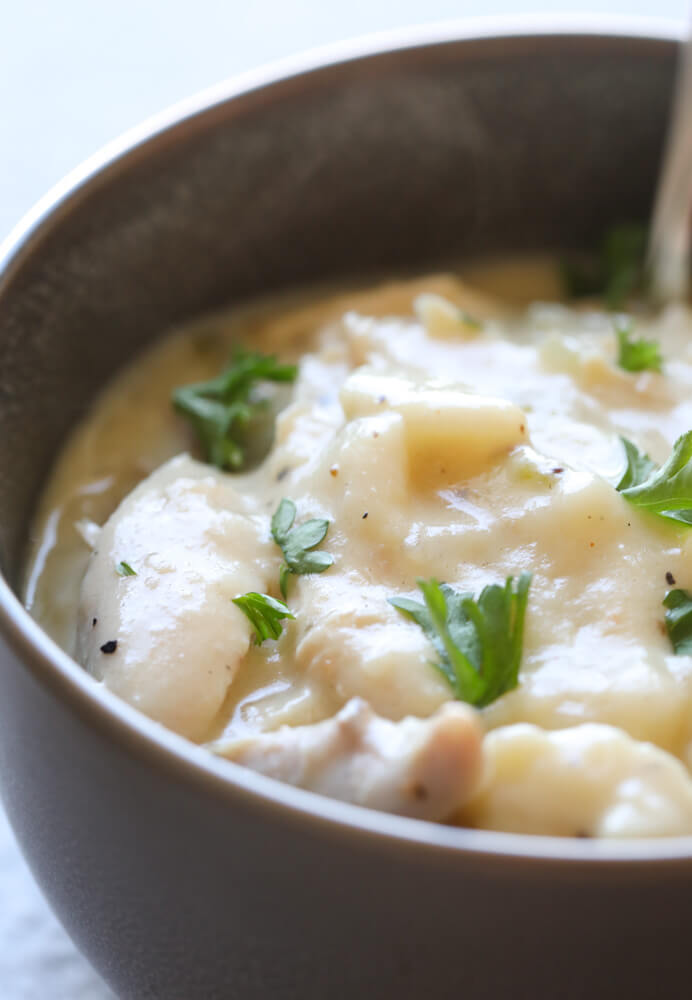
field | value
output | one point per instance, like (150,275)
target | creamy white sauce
(434,448)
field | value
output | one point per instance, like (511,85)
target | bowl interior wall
(392,163)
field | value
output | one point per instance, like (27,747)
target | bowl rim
(132,731)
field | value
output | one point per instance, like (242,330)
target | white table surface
(74,74)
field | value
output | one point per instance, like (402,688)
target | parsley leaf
(265,613)
(666,491)
(639,467)
(615,271)
(679,620)
(472,322)
(478,640)
(623,254)
(220,408)
(124,569)
(296,543)
(636,355)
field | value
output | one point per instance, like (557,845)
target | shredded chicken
(424,768)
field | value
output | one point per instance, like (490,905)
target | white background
(74,74)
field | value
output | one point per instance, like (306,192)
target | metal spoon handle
(669,240)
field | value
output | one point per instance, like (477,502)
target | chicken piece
(424,768)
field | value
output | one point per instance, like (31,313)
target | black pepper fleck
(283,473)
(110,646)
(670,578)
(94,622)
(365,515)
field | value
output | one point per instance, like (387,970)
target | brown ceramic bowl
(181,876)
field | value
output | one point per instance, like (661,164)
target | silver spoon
(668,260)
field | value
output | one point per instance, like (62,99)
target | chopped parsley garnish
(478,640)
(222,407)
(635,353)
(615,271)
(297,543)
(639,467)
(472,322)
(124,569)
(265,614)
(666,491)
(678,604)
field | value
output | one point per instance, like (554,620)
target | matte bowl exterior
(178,875)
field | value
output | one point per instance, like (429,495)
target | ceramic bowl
(183,877)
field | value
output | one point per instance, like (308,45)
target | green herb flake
(666,491)
(297,543)
(639,467)
(265,614)
(636,354)
(470,321)
(220,408)
(615,271)
(479,641)
(124,569)
(678,618)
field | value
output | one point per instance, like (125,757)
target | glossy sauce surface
(435,447)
